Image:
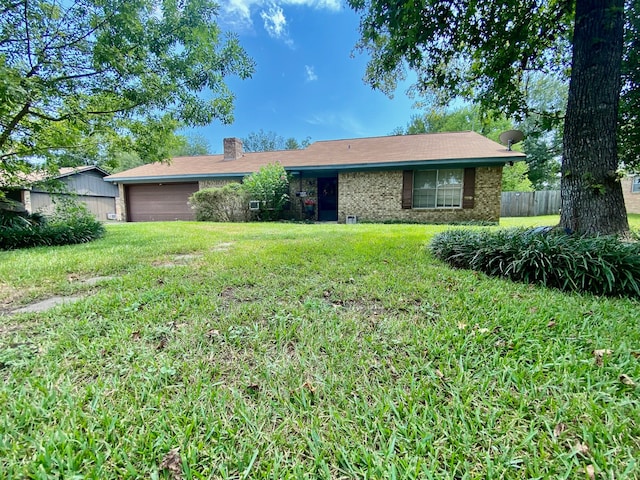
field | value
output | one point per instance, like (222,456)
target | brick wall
(202,184)
(309,185)
(296,210)
(377,196)
(121,205)
(631,200)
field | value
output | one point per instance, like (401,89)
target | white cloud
(275,22)
(237,13)
(343,120)
(311,74)
(317,4)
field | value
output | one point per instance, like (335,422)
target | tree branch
(11,7)
(62,118)
(6,133)
(34,151)
(27,33)
(80,37)
(74,77)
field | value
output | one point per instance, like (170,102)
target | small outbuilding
(39,191)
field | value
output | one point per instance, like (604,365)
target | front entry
(328,199)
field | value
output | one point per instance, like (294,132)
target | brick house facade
(429,178)
(377,197)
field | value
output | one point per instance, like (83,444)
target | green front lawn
(306,351)
(634,221)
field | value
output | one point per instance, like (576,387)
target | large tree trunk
(592,200)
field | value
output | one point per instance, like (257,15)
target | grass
(544,220)
(306,351)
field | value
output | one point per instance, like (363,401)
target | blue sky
(308,79)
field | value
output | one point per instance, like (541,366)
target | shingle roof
(42,175)
(361,153)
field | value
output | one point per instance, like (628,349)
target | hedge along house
(438,177)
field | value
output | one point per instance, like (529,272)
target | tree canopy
(90,75)
(269,141)
(479,50)
(514,178)
(469,117)
(488,52)
(541,146)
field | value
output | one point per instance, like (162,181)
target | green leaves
(71,71)
(270,186)
(268,141)
(71,223)
(477,50)
(228,203)
(600,265)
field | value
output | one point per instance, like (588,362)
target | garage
(159,202)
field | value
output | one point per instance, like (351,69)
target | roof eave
(86,168)
(452,162)
(455,162)
(174,178)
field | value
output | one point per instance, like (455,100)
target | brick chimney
(232,148)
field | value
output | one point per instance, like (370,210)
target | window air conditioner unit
(254,205)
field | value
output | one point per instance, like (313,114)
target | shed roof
(41,175)
(391,152)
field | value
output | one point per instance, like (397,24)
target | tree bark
(592,200)
(6,132)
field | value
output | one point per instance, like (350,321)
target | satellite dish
(511,137)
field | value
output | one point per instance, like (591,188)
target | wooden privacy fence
(530,204)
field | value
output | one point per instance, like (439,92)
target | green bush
(70,223)
(269,186)
(228,203)
(603,265)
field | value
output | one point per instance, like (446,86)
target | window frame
(437,189)
(635,184)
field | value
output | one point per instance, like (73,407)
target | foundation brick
(631,200)
(377,197)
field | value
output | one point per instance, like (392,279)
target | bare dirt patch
(7,329)
(95,280)
(9,295)
(178,260)
(222,247)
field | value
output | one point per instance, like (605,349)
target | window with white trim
(635,187)
(438,188)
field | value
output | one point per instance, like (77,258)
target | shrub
(228,203)
(270,186)
(70,223)
(603,265)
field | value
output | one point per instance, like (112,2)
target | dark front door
(328,199)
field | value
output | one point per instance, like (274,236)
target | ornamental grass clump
(70,223)
(604,265)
